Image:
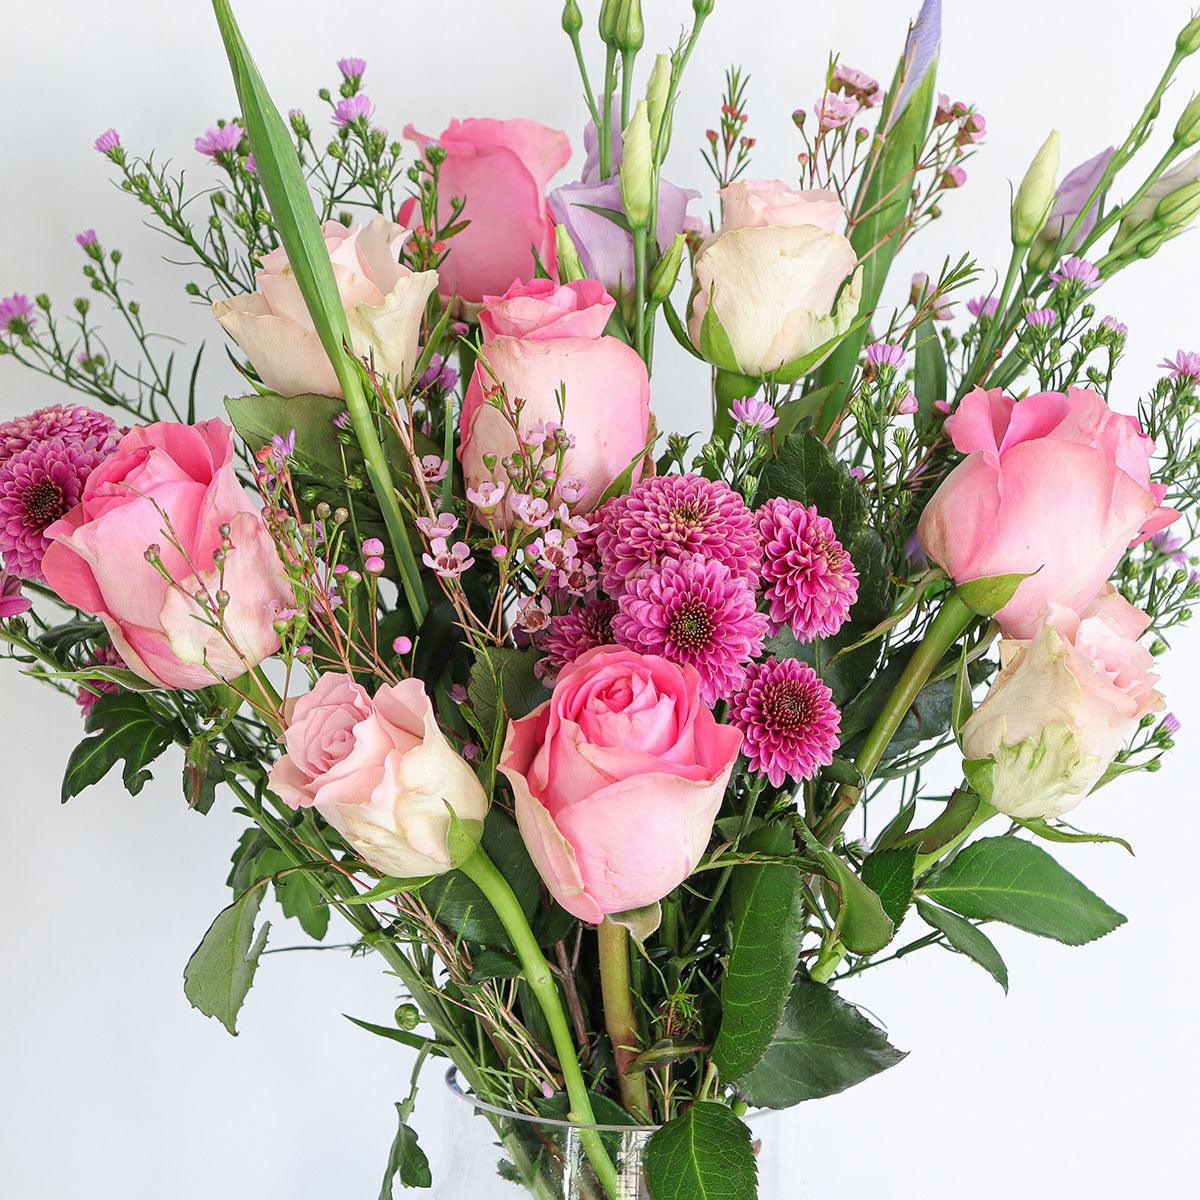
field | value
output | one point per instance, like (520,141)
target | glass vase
(494,1154)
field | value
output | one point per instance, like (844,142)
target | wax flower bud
(636,170)
(1035,196)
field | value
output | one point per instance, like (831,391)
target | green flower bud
(636,170)
(1176,209)
(572,19)
(702,8)
(666,272)
(656,94)
(609,14)
(1035,196)
(569,266)
(1188,41)
(1187,129)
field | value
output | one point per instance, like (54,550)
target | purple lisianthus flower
(1072,195)
(920,53)
(220,139)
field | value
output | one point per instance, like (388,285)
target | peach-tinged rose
(384,303)
(618,778)
(1054,484)
(1064,703)
(174,487)
(380,771)
(753,203)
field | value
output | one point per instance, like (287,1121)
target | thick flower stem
(483,873)
(619,1017)
(947,628)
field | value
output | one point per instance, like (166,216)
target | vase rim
(456,1089)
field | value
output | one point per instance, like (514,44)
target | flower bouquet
(614,747)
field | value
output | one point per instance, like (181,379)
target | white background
(1081,1082)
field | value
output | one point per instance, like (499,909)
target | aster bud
(636,170)
(1187,129)
(656,94)
(569,267)
(666,271)
(1035,196)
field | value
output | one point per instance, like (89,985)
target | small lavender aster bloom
(1185,365)
(695,612)
(1170,545)
(575,632)
(810,582)
(352,68)
(885,354)
(86,238)
(90,690)
(12,602)
(668,516)
(789,720)
(352,108)
(1076,270)
(754,412)
(1041,318)
(108,141)
(342,420)
(16,313)
(73,423)
(38,485)
(1170,724)
(983,306)
(1114,326)
(220,139)
(251,165)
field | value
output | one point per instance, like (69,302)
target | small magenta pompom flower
(221,139)
(668,516)
(575,632)
(810,582)
(12,602)
(73,422)
(352,108)
(38,485)
(108,141)
(983,306)
(90,690)
(754,413)
(695,612)
(1076,270)
(788,718)
(1185,365)
(16,313)
(352,68)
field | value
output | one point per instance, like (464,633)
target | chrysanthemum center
(788,706)
(690,627)
(44,503)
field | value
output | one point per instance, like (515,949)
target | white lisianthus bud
(570,269)
(1188,41)
(1187,128)
(656,94)
(666,271)
(1063,705)
(636,168)
(1134,221)
(1035,196)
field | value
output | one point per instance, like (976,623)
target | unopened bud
(1176,209)
(666,271)
(569,266)
(629,33)
(636,170)
(656,95)
(1187,128)
(1035,196)
(572,19)
(1188,41)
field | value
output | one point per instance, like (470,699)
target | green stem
(947,628)
(483,873)
(984,813)
(620,1019)
(639,264)
(605,123)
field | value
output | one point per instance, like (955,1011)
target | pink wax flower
(1054,484)
(16,313)
(97,562)
(856,84)
(90,690)
(108,141)
(12,602)
(618,778)
(502,168)
(834,111)
(1185,365)
(220,139)
(954,176)
(669,516)
(573,634)
(907,404)
(448,561)
(694,611)
(72,422)
(810,582)
(352,108)
(789,720)
(1076,270)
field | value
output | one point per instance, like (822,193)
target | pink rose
(754,203)
(541,340)
(384,303)
(1064,703)
(618,778)
(502,169)
(1055,484)
(178,480)
(380,771)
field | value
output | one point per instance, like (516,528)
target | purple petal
(920,52)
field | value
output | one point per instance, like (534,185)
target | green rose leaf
(406,1160)
(221,970)
(889,874)
(125,727)
(967,939)
(706,1153)
(1010,880)
(805,469)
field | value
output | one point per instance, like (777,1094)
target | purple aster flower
(574,633)
(86,238)
(754,413)
(12,602)
(251,165)
(1170,724)
(16,313)
(220,139)
(352,108)
(1185,365)
(108,141)
(1041,318)
(342,420)
(90,690)
(810,581)
(38,485)
(1114,326)
(1076,270)
(668,516)
(983,306)
(1170,545)
(352,68)
(789,720)
(885,354)
(439,372)
(72,422)
(695,612)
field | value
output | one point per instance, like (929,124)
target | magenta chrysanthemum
(92,689)
(788,718)
(694,611)
(72,422)
(39,485)
(668,516)
(810,582)
(574,633)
